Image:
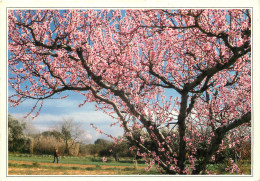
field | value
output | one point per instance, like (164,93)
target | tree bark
(182,127)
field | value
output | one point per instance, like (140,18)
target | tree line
(65,141)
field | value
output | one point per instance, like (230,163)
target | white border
(116,4)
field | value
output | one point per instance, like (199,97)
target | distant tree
(17,140)
(54,133)
(102,142)
(122,149)
(90,149)
(66,136)
(47,143)
(102,146)
(71,133)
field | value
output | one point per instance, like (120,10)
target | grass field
(22,164)
(26,164)
(73,160)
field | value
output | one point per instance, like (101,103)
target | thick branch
(192,102)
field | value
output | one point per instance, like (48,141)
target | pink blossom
(104,159)
(126,64)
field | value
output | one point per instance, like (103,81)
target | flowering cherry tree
(124,60)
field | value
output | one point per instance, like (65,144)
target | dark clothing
(56,153)
(116,157)
(56,156)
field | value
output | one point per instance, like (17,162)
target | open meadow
(22,164)
(27,164)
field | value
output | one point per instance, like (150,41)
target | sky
(54,112)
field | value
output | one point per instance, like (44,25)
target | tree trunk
(66,147)
(182,127)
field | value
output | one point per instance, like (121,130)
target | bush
(47,145)
(17,140)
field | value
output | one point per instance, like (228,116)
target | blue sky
(56,110)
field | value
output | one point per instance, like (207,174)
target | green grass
(219,169)
(96,162)
(120,171)
(74,160)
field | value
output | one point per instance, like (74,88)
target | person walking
(56,156)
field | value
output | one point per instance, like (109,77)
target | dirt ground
(42,171)
(69,171)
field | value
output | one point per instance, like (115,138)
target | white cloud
(46,122)
(88,136)
(80,116)
(86,118)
